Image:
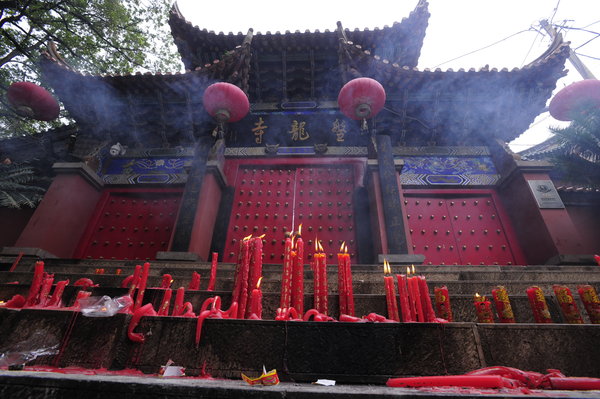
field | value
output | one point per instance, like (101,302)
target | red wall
(13,223)
(587,220)
(62,216)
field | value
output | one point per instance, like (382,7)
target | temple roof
(400,43)
(464,107)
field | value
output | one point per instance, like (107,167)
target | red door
(131,225)
(273,199)
(460,229)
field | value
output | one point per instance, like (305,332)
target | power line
(530,47)
(589,56)
(483,48)
(555,10)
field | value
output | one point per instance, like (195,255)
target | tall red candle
(403,295)
(36,284)
(164,306)
(591,302)
(415,296)
(502,303)
(256,254)
(483,309)
(390,292)
(256,301)
(194,282)
(286,277)
(235,294)
(442,303)
(342,290)
(320,279)
(298,275)
(166,281)
(411,296)
(213,272)
(143,281)
(538,304)
(428,313)
(178,307)
(56,299)
(348,282)
(567,304)
(244,271)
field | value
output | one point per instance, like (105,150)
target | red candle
(411,295)
(348,282)
(256,301)
(56,299)
(256,254)
(164,306)
(80,295)
(244,271)
(342,290)
(591,302)
(483,309)
(538,304)
(166,281)
(143,281)
(45,291)
(135,280)
(403,294)
(213,272)
(36,284)
(567,304)
(415,296)
(286,278)
(194,282)
(428,313)
(390,292)
(502,302)
(235,294)
(178,307)
(320,279)
(298,275)
(442,303)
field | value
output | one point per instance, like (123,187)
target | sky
(461,33)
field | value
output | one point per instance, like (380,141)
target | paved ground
(35,384)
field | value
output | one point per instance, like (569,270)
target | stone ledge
(27,251)
(402,259)
(178,256)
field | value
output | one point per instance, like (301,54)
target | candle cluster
(413,291)
(247,275)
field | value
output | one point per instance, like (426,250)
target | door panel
(273,199)
(459,228)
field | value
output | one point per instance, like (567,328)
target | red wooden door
(131,225)
(273,199)
(466,229)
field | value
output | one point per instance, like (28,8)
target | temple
(149,175)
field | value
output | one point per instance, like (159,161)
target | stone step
(300,351)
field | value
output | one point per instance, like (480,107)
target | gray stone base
(178,256)
(27,251)
(402,259)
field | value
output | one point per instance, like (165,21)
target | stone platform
(26,384)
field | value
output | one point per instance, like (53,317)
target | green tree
(96,36)
(579,157)
(20,186)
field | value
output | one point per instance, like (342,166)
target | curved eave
(157,109)
(401,42)
(500,103)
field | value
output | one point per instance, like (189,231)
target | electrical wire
(530,47)
(555,10)
(483,48)
(588,56)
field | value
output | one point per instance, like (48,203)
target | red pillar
(546,235)
(63,214)
(206,210)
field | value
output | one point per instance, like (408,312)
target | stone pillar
(390,197)
(62,217)
(184,225)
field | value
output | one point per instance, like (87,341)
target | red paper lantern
(226,102)
(361,98)
(577,94)
(33,101)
